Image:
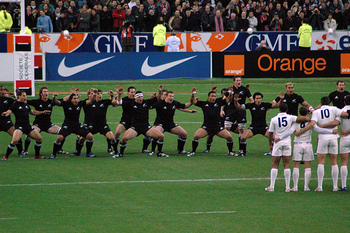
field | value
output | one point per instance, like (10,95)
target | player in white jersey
(279,125)
(327,143)
(303,149)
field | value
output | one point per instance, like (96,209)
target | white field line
(1,219)
(210,212)
(184,122)
(140,182)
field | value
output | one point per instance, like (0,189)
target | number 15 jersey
(281,123)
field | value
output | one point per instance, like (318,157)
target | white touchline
(210,212)
(141,182)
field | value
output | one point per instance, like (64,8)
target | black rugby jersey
(41,105)
(21,111)
(258,113)
(71,111)
(337,98)
(211,111)
(166,111)
(5,103)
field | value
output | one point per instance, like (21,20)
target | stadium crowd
(178,15)
(221,115)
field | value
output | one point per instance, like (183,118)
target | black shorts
(26,129)
(239,116)
(102,129)
(167,127)
(259,130)
(43,126)
(213,130)
(5,125)
(234,127)
(141,129)
(76,129)
(127,124)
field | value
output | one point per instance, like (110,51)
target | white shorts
(327,146)
(303,151)
(344,145)
(282,149)
(228,124)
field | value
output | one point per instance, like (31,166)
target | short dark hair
(303,111)
(138,92)
(131,87)
(340,81)
(169,92)
(224,90)
(325,100)
(210,92)
(283,107)
(258,93)
(237,76)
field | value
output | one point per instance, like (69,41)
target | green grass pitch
(141,193)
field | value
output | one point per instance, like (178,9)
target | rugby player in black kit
(140,123)
(22,110)
(72,108)
(212,123)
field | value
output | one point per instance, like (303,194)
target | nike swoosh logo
(65,71)
(147,70)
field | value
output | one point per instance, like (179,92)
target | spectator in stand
(127,36)
(106,20)
(161,5)
(130,18)
(346,14)
(95,21)
(149,5)
(84,19)
(113,6)
(276,23)
(44,23)
(330,25)
(335,4)
(243,22)
(220,7)
(140,19)
(253,21)
(62,23)
(118,17)
(232,23)
(174,6)
(316,20)
(51,7)
(74,6)
(71,16)
(132,3)
(151,21)
(207,20)
(29,18)
(219,21)
(61,7)
(175,21)
(16,18)
(230,9)
(159,35)
(188,23)
(264,21)
(33,5)
(340,19)
(166,16)
(263,47)
(197,18)
(290,23)
(5,20)
(48,12)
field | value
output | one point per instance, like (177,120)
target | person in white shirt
(279,125)
(173,42)
(327,143)
(303,149)
(330,23)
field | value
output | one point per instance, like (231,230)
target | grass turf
(141,193)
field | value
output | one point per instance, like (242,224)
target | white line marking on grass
(210,212)
(8,218)
(139,182)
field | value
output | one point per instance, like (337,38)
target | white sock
(343,175)
(287,177)
(273,176)
(307,176)
(295,177)
(320,175)
(335,175)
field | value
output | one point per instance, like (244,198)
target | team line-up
(221,115)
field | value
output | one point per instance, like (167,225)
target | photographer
(316,20)
(127,36)
(276,23)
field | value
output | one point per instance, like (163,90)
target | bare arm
(7,113)
(90,101)
(36,113)
(55,100)
(277,105)
(188,110)
(118,99)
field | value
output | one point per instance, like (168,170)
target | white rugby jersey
(344,122)
(305,137)
(281,123)
(324,115)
